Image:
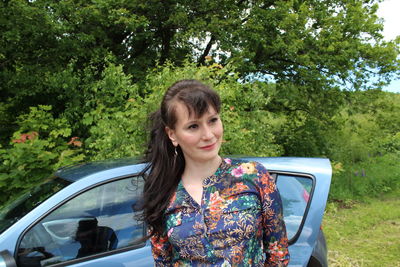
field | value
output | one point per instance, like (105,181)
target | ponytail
(163,176)
(165,167)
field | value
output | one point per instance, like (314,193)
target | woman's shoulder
(238,165)
(240,161)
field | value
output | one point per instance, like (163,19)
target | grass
(364,234)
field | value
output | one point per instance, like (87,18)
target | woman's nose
(207,133)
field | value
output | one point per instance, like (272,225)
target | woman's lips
(209,147)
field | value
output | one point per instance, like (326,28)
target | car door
(303,184)
(96,227)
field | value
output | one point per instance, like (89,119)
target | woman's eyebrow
(213,114)
(191,122)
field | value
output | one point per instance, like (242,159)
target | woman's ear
(171,135)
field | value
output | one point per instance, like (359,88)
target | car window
(21,204)
(101,219)
(295,192)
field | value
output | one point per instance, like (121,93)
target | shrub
(369,178)
(37,149)
(120,130)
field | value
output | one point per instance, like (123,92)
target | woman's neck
(196,172)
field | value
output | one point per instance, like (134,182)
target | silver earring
(175,155)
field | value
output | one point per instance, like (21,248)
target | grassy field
(364,234)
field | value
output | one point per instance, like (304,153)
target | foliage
(368,125)
(371,177)
(115,118)
(366,146)
(391,144)
(51,51)
(37,149)
(115,113)
(120,130)
(285,71)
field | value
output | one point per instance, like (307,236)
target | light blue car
(87,215)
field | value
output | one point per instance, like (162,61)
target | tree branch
(206,51)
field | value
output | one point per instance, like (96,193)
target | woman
(204,210)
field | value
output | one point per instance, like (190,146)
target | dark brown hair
(163,172)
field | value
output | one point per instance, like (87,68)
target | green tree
(52,51)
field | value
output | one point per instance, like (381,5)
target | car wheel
(319,256)
(314,263)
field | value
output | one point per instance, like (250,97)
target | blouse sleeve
(162,250)
(275,238)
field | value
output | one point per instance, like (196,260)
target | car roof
(289,164)
(313,166)
(77,172)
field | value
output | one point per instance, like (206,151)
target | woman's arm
(162,250)
(275,238)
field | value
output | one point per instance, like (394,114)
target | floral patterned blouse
(239,221)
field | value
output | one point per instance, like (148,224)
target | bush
(110,116)
(120,130)
(372,177)
(37,149)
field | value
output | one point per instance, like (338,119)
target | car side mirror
(6,259)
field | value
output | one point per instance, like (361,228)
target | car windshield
(19,205)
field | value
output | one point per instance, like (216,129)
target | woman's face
(199,138)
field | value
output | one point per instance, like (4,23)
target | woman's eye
(213,120)
(193,126)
